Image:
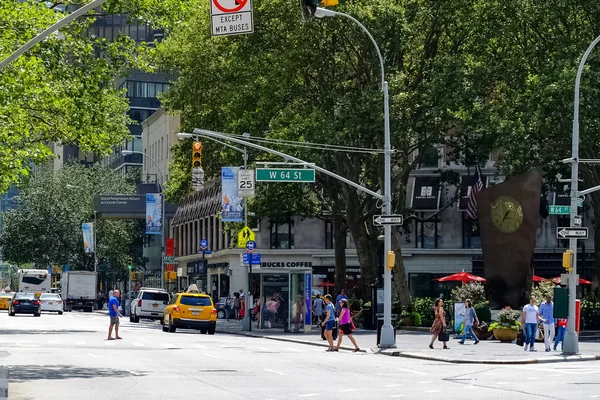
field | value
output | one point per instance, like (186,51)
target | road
(68,357)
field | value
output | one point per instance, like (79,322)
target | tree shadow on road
(24,373)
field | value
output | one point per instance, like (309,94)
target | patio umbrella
(463,277)
(538,279)
(582,281)
(326,284)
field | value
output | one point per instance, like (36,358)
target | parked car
(149,303)
(52,302)
(220,306)
(190,311)
(5,300)
(24,303)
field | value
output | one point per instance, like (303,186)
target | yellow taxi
(190,310)
(5,300)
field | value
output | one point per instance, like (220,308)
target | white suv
(150,303)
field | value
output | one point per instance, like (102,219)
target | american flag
(477,187)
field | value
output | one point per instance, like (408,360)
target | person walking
(228,306)
(318,307)
(339,298)
(346,325)
(114,314)
(547,314)
(470,317)
(439,322)
(329,321)
(560,335)
(236,305)
(242,308)
(530,317)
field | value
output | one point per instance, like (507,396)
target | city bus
(34,281)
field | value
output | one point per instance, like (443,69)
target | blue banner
(153,213)
(231,203)
(308,298)
(88,237)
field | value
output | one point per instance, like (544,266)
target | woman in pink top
(346,325)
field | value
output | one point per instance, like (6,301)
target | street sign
(561,210)
(169,260)
(251,246)
(255,258)
(572,233)
(231,17)
(205,252)
(245,181)
(245,235)
(204,244)
(197,179)
(285,175)
(387,219)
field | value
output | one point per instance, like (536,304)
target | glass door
(297,301)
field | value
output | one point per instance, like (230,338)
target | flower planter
(505,335)
(483,335)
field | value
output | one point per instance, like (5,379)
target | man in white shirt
(530,316)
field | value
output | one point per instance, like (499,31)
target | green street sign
(285,175)
(559,210)
(169,259)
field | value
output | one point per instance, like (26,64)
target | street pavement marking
(424,382)
(431,391)
(210,355)
(595,395)
(412,371)
(139,344)
(290,349)
(532,378)
(135,373)
(92,355)
(275,372)
(395,396)
(309,395)
(80,343)
(348,390)
(198,346)
(393,385)
(556,375)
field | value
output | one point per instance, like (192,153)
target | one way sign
(387,219)
(572,233)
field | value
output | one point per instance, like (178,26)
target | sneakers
(477,342)
(461,342)
(532,349)
(554,348)
(525,347)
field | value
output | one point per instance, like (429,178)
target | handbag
(352,327)
(520,339)
(443,336)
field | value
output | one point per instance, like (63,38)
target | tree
(46,227)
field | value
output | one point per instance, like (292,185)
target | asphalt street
(68,357)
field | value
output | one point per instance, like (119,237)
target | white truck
(78,289)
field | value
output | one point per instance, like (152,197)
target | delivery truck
(78,289)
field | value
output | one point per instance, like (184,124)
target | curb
(575,358)
(4,371)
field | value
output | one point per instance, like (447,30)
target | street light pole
(388,339)
(571,338)
(162,211)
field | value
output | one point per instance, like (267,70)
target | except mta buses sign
(231,17)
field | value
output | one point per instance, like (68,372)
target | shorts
(346,329)
(329,325)
(114,320)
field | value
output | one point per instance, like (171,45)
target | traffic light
(130,263)
(568,260)
(197,155)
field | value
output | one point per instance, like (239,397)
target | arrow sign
(572,233)
(387,219)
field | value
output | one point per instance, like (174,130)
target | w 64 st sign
(231,17)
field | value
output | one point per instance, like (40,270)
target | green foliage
(472,290)
(46,227)
(423,306)
(590,311)
(355,304)
(541,291)
(483,312)
(507,319)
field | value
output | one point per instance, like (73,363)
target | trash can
(368,319)
(380,325)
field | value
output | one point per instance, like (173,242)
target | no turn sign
(231,17)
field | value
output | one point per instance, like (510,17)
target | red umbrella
(538,279)
(325,284)
(582,281)
(462,277)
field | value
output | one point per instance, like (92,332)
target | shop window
(471,234)
(428,233)
(282,235)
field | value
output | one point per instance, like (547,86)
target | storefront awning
(426,193)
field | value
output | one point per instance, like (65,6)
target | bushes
(590,312)
(423,306)
(472,290)
(483,312)
(541,291)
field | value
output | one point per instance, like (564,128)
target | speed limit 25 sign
(245,180)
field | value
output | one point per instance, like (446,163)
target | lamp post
(247,322)
(162,217)
(571,338)
(388,338)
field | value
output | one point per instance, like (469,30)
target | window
(471,234)
(34,280)
(195,301)
(429,157)
(282,235)
(155,296)
(428,233)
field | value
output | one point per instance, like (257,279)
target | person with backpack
(470,317)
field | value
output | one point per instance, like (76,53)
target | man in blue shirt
(113,312)
(339,298)
(547,313)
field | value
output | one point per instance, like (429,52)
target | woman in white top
(530,317)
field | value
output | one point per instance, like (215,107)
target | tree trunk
(339,243)
(400,290)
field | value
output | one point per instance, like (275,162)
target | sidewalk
(411,344)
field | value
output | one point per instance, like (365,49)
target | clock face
(506,213)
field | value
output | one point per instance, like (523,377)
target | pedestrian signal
(568,260)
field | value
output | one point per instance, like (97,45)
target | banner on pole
(231,203)
(88,237)
(153,213)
